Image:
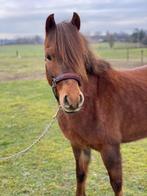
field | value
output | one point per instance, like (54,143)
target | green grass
(24,50)
(26,107)
(30,62)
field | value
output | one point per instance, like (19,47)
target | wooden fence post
(18,54)
(127,54)
(141,53)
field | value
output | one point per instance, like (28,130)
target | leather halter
(65,76)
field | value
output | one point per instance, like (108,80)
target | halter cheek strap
(65,76)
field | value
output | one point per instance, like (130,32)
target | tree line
(22,40)
(137,36)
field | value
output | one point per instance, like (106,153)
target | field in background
(122,54)
(21,62)
(27,61)
(26,106)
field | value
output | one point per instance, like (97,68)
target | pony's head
(65,56)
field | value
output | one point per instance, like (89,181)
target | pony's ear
(76,20)
(50,23)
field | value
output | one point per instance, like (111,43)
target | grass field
(26,106)
(102,49)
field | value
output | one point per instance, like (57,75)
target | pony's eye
(48,57)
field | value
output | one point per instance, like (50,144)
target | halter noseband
(65,76)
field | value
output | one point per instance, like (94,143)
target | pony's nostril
(81,98)
(73,104)
(66,102)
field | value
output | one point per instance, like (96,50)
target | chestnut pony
(100,107)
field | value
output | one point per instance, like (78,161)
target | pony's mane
(73,51)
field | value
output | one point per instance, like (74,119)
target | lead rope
(22,152)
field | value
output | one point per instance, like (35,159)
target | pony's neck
(98,71)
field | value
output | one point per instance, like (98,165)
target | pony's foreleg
(112,159)
(82,158)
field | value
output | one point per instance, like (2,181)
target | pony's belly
(134,135)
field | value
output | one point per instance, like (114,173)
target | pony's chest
(79,130)
(74,137)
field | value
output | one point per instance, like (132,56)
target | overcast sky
(27,17)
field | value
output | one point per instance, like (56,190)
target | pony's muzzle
(73,105)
